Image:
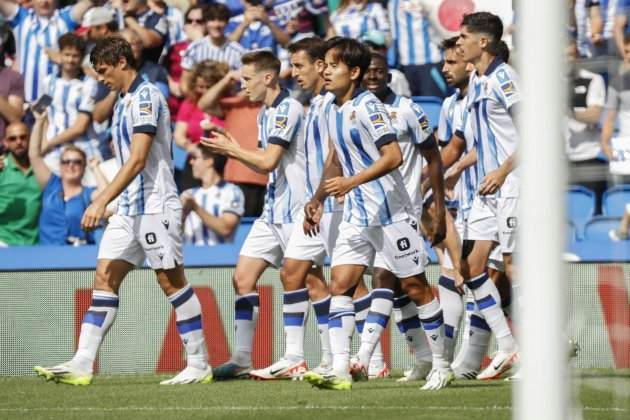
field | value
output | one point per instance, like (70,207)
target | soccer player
(301,274)
(147,224)
(493,93)
(378,215)
(212,212)
(417,141)
(280,155)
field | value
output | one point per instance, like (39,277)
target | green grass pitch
(140,397)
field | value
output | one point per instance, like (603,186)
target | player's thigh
(417,288)
(293,273)
(248,271)
(264,241)
(109,274)
(316,285)
(344,279)
(475,257)
(383,279)
(119,242)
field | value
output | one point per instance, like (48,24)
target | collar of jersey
(390,98)
(281,97)
(493,66)
(135,84)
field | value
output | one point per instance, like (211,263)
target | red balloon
(451,12)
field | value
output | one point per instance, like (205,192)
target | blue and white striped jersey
(158,24)
(218,199)
(355,21)
(175,20)
(69,98)
(257,35)
(144,110)
(203,49)
(280,124)
(316,148)
(32,35)
(358,128)
(414,39)
(454,119)
(413,132)
(490,97)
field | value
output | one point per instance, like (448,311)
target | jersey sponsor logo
(403,244)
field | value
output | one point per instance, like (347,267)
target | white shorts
(494,219)
(398,245)
(156,238)
(314,248)
(267,241)
(495,260)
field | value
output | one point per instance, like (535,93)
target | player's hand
(596,38)
(313,211)
(459,281)
(438,228)
(94,162)
(492,182)
(188,202)
(93,215)
(222,143)
(339,186)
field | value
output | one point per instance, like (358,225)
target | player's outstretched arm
(140,147)
(391,158)
(262,161)
(435,172)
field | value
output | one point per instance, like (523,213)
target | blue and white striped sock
(452,308)
(489,302)
(96,322)
(406,317)
(294,311)
(246,314)
(375,323)
(341,328)
(433,325)
(322,308)
(190,327)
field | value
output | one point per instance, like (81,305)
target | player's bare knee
(242,283)
(103,279)
(290,280)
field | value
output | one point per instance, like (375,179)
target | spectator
(355,18)
(215,46)
(296,31)
(19,192)
(620,28)
(210,81)
(397,81)
(582,136)
(37,30)
(70,112)
(98,23)
(602,15)
(256,29)
(194,29)
(151,27)
(212,212)
(11,84)
(174,19)
(417,51)
(148,70)
(64,198)
(617,149)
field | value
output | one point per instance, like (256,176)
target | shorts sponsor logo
(403,244)
(150,238)
(511,222)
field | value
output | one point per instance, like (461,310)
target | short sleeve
(188,60)
(596,95)
(418,122)
(157,23)
(65,14)
(375,119)
(87,98)
(380,17)
(285,124)
(233,200)
(445,128)
(507,89)
(144,110)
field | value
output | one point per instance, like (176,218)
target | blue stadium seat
(571,233)
(431,106)
(615,199)
(243,229)
(598,227)
(580,207)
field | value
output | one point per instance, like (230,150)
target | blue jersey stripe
(309,186)
(480,157)
(492,141)
(348,160)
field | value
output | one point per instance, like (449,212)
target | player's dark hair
(71,40)
(449,43)
(313,46)
(503,52)
(485,23)
(216,11)
(262,60)
(218,161)
(352,53)
(110,50)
